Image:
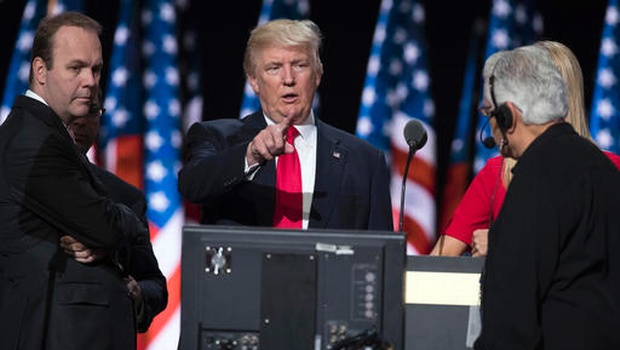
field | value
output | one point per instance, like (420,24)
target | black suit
(47,190)
(351,189)
(141,263)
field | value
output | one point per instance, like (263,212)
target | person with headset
(551,278)
(483,199)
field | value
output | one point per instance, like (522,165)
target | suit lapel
(331,159)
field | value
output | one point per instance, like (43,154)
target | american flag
(272,9)
(141,138)
(397,88)
(512,23)
(162,143)
(604,117)
(122,126)
(458,172)
(16,82)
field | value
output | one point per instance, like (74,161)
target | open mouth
(289,97)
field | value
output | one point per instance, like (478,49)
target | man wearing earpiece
(552,274)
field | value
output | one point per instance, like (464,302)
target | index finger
(284,124)
(66,239)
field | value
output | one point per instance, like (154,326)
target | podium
(442,302)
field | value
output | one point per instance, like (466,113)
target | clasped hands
(82,254)
(479,243)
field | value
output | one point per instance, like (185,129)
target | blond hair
(283,33)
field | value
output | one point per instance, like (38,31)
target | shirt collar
(34,95)
(305,129)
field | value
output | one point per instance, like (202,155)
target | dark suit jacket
(351,188)
(141,262)
(47,189)
(552,274)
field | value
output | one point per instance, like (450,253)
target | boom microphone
(488,142)
(415,135)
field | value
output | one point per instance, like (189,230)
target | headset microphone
(502,115)
(488,142)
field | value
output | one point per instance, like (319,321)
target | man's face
(285,81)
(70,84)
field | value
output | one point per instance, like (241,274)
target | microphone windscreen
(489,142)
(415,134)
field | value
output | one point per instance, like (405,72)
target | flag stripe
(161,321)
(420,172)
(128,164)
(417,241)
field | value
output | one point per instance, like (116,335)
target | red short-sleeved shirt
(475,211)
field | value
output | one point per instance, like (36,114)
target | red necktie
(288,209)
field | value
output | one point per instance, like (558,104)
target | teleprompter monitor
(261,288)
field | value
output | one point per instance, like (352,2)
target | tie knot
(291,134)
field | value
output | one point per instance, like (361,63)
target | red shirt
(483,200)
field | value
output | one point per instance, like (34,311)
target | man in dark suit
(145,281)
(232,164)
(48,300)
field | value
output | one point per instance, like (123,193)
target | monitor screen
(261,288)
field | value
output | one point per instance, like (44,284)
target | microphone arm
(412,151)
(416,137)
(487,142)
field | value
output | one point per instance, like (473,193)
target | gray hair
(283,33)
(527,77)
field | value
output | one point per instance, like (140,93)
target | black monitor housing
(260,288)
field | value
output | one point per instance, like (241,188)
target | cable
(366,340)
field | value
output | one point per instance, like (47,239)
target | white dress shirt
(305,144)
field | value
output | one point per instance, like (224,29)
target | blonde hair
(283,33)
(570,69)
